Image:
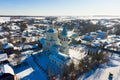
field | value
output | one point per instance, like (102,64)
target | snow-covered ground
(103,71)
(4,19)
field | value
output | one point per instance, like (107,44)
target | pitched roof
(3,57)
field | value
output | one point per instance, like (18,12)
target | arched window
(52,37)
(64,39)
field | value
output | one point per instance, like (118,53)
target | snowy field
(4,19)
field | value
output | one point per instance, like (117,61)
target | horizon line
(21,15)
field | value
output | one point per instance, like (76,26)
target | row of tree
(84,26)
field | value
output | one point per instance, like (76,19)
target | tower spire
(64,31)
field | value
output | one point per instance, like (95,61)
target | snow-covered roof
(94,21)
(1,33)
(6,69)
(96,43)
(29,46)
(77,53)
(3,57)
(7,45)
(25,73)
(70,33)
(3,40)
(14,27)
(59,56)
(63,56)
(50,31)
(87,37)
(31,27)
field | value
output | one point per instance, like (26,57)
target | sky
(60,7)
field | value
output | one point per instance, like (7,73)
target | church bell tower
(64,40)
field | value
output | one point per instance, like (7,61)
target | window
(63,39)
(52,37)
(60,65)
(52,60)
(48,43)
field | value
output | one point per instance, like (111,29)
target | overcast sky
(59,7)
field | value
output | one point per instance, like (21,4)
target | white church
(58,49)
(59,52)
